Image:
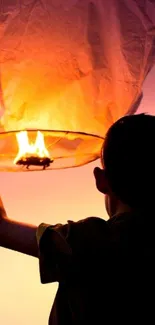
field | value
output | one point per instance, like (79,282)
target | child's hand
(3,214)
(21,238)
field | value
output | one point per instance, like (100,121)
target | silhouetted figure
(105,269)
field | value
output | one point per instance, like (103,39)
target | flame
(36,149)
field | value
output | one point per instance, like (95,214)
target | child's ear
(101,180)
(3,213)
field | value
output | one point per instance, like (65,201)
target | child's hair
(129,159)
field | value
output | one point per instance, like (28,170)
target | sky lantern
(68,70)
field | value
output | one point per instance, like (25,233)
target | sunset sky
(46,197)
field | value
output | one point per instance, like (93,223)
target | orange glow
(26,149)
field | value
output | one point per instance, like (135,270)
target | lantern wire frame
(66,149)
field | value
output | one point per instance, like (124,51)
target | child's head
(128,159)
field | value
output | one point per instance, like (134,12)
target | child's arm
(16,235)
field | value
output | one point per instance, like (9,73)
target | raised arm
(17,236)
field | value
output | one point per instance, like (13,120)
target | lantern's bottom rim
(13,168)
(63,132)
(65,149)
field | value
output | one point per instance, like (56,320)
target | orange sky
(50,197)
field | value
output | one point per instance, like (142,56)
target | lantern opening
(32,154)
(43,149)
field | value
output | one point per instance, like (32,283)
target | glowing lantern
(69,69)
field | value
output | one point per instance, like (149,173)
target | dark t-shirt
(98,265)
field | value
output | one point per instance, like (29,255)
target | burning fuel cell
(32,154)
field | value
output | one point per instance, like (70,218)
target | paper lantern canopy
(68,70)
